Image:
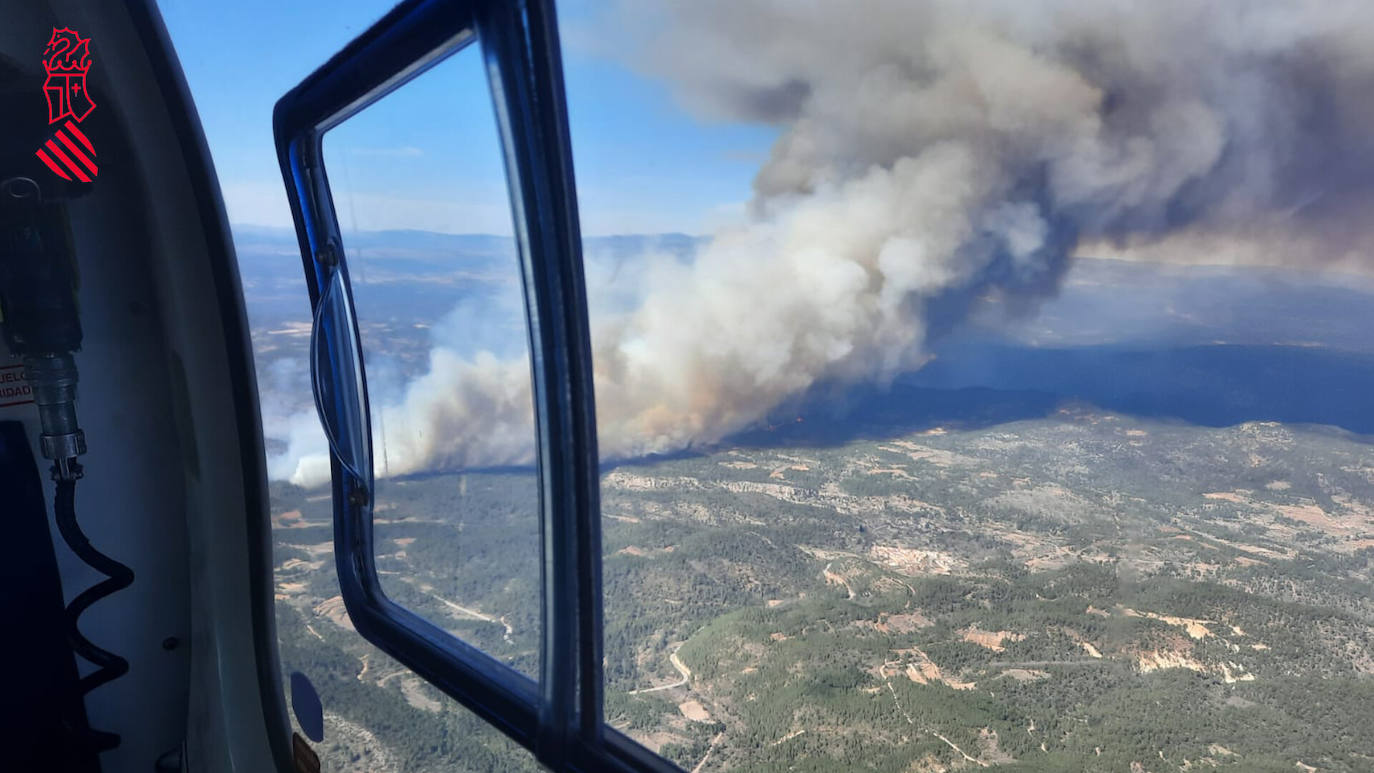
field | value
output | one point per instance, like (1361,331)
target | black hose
(109,665)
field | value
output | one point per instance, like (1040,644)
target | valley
(1079,591)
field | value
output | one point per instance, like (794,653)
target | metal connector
(52,379)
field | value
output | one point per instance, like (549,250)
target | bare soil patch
(333,610)
(992,640)
(694,711)
(413,690)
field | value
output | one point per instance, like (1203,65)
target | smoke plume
(933,153)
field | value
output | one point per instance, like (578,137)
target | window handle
(338,405)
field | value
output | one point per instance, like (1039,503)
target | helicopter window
(443,431)
(425,226)
(420,195)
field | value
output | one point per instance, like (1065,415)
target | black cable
(109,665)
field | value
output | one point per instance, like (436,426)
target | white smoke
(932,153)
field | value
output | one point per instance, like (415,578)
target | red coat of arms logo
(68,152)
(67,60)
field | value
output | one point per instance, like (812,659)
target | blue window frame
(559,717)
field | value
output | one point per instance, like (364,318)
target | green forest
(1085,592)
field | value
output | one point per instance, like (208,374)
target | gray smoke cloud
(933,153)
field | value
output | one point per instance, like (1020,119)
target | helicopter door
(555,707)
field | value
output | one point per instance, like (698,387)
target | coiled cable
(109,666)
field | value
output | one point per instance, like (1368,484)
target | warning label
(14,390)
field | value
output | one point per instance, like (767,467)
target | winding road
(681,669)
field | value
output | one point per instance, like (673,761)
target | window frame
(559,717)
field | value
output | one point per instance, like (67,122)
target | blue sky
(425,157)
